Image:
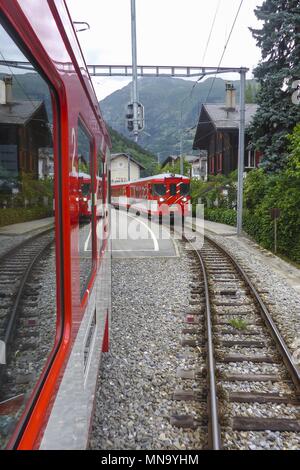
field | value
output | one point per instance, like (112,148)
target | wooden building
(24,129)
(218,133)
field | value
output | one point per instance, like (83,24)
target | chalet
(198,164)
(124,168)
(218,133)
(24,131)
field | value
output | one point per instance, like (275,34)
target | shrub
(14,215)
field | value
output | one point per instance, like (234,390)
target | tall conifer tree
(279,69)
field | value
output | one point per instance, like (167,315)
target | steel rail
(266,316)
(13,316)
(23,244)
(214,432)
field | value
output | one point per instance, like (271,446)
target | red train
(85,197)
(156,195)
(52,131)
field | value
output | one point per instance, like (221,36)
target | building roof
(18,112)
(161,177)
(187,158)
(223,118)
(169,159)
(126,155)
(215,117)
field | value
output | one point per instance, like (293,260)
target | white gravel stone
(138,375)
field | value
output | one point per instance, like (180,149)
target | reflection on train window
(27,248)
(86,189)
(159,189)
(184,189)
(100,183)
(173,189)
(85,207)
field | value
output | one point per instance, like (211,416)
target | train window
(184,189)
(85,207)
(159,189)
(85,189)
(173,189)
(100,198)
(28,246)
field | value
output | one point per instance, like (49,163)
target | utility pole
(134,72)
(181,156)
(128,165)
(241,156)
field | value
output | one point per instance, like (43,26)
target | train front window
(173,189)
(28,306)
(184,189)
(85,189)
(159,189)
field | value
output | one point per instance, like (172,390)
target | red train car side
(156,195)
(52,138)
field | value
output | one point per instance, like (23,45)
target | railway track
(16,293)
(251,382)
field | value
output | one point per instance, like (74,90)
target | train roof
(163,176)
(81,174)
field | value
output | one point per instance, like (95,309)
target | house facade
(218,134)
(124,168)
(24,131)
(198,164)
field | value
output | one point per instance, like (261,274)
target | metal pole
(134,72)
(275,235)
(181,156)
(128,158)
(241,153)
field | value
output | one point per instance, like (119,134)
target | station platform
(289,272)
(136,237)
(24,228)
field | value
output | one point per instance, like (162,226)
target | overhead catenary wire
(203,58)
(207,44)
(225,48)
(18,81)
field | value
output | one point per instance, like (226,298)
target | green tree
(251,92)
(279,40)
(170,168)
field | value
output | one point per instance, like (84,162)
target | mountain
(122,144)
(171,104)
(30,86)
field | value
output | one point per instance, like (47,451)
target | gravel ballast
(282,300)
(138,376)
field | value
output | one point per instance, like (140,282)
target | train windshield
(184,189)
(85,188)
(159,189)
(173,189)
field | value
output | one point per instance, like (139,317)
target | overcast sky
(169,32)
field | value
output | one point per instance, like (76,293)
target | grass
(238,323)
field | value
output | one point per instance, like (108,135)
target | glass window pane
(100,199)
(27,243)
(184,189)
(159,189)
(85,207)
(173,189)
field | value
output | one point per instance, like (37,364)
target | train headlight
(161,199)
(184,199)
(85,199)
